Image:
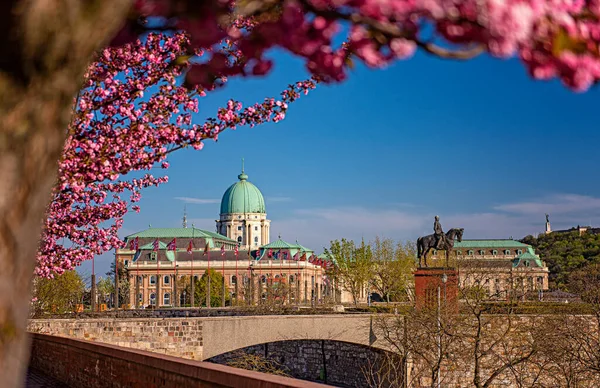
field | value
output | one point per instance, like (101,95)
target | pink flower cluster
(129,116)
(553,38)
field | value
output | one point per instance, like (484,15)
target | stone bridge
(206,337)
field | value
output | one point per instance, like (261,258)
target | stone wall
(177,337)
(206,337)
(339,363)
(93,365)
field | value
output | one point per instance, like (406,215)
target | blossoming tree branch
(129,116)
(47,48)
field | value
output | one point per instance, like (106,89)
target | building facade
(500,267)
(157,260)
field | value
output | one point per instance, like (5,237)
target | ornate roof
(242,197)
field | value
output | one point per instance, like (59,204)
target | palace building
(157,259)
(500,266)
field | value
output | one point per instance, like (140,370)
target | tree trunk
(45,49)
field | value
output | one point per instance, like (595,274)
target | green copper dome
(242,197)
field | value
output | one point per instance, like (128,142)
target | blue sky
(478,142)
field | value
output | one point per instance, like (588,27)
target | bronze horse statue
(427,243)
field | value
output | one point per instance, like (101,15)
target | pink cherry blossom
(553,38)
(116,134)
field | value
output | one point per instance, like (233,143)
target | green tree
(392,268)
(565,253)
(353,267)
(104,289)
(59,294)
(216,289)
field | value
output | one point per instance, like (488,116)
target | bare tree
(493,345)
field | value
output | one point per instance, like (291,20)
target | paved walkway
(37,379)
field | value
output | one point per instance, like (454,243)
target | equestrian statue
(438,241)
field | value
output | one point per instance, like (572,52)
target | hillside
(565,253)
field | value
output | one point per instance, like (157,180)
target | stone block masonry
(339,363)
(175,337)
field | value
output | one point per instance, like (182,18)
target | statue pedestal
(436,287)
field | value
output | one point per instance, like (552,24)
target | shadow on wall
(338,363)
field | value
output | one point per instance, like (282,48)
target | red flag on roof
(222,249)
(205,249)
(235,250)
(270,254)
(295,256)
(172,245)
(189,248)
(303,257)
(134,244)
(155,245)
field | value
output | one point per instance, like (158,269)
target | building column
(145,290)
(249,242)
(132,291)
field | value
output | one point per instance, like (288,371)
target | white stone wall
(250,230)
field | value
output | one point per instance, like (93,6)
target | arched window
(291,278)
(140,298)
(126,263)
(167,299)
(153,279)
(153,299)
(507,252)
(167,279)
(263,279)
(526,263)
(494,252)
(471,253)
(256,228)
(152,256)
(256,239)
(459,253)
(519,252)
(481,252)
(239,239)
(140,279)
(233,279)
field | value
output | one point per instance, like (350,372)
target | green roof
(489,244)
(161,245)
(303,248)
(279,244)
(177,233)
(243,197)
(528,255)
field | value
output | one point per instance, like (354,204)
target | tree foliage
(59,294)
(353,266)
(565,253)
(392,268)
(381,265)
(200,289)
